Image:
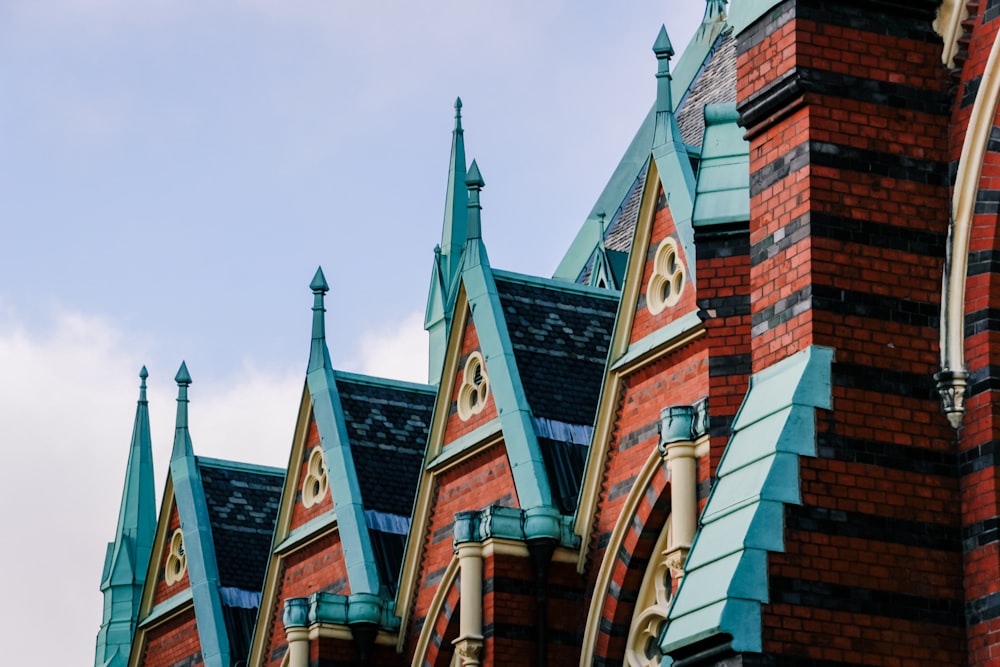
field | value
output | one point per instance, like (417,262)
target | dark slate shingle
(242,507)
(387,425)
(560,337)
(715,84)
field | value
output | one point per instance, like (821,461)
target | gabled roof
(560,334)
(372,433)
(705,74)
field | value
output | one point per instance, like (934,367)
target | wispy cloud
(67,402)
(397,351)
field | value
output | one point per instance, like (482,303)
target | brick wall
(976,461)
(482,480)
(173,643)
(316,567)
(846,109)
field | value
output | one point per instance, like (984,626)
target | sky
(172,172)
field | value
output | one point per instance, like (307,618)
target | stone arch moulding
(952,378)
(653,474)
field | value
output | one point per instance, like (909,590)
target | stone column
(469,644)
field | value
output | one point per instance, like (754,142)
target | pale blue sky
(173,171)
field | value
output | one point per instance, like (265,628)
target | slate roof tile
(242,507)
(387,426)
(560,338)
(715,84)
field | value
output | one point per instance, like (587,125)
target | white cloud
(67,405)
(397,351)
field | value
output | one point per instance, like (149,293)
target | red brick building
(749,420)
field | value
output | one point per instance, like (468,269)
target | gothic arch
(623,568)
(953,374)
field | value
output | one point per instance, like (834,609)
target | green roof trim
(723,191)
(362,572)
(127,558)
(306,530)
(371,380)
(742,13)
(637,154)
(465,443)
(203,570)
(556,285)
(725,576)
(648,343)
(166,608)
(523,451)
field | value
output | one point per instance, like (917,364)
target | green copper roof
(203,570)
(362,572)
(725,576)
(723,190)
(744,12)
(683,76)
(523,450)
(127,558)
(448,255)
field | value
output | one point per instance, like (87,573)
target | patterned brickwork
(630,565)
(510,612)
(173,643)
(446,630)
(482,480)
(316,567)
(724,305)
(849,207)
(981,431)
(680,378)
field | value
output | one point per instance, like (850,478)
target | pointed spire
(128,556)
(453,231)
(664,50)
(474,182)
(182,437)
(319,354)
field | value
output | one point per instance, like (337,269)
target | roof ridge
(555,284)
(227,464)
(377,381)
